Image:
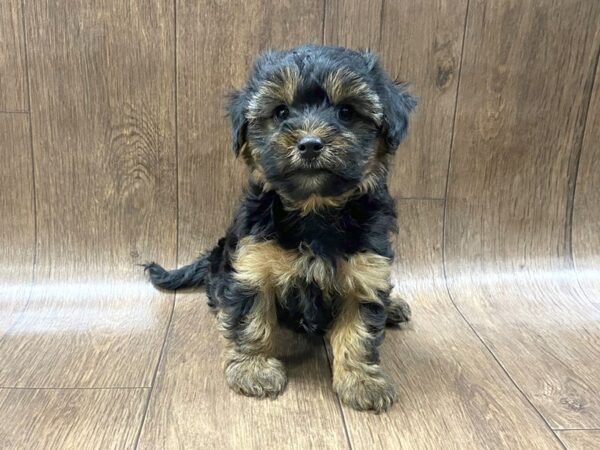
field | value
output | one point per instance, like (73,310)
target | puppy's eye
(346,113)
(281,113)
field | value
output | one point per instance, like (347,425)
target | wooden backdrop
(114,150)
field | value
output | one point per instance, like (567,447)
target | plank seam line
(426,199)
(33,185)
(381,11)
(576,429)
(573,190)
(18,111)
(154,375)
(71,388)
(323,22)
(162,353)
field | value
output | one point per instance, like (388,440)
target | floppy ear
(397,105)
(236,110)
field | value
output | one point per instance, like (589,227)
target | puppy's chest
(270,266)
(326,235)
(305,285)
(274,270)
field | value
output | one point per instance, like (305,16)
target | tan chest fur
(270,268)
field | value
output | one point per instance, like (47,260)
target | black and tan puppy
(310,244)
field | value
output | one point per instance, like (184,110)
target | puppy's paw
(398,311)
(256,376)
(365,390)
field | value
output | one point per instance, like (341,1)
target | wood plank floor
(114,151)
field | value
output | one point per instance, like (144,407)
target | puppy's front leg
(248,322)
(357,332)
(249,317)
(357,377)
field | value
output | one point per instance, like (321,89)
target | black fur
(192,275)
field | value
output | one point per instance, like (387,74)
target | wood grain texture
(17,221)
(103,109)
(519,124)
(421,43)
(192,406)
(210,179)
(354,24)
(13,77)
(69,419)
(586,212)
(451,392)
(580,439)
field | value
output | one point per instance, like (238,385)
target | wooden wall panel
(519,122)
(352,23)
(17,221)
(69,419)
(103,110)
(586,213)
(13,84)
(421,43)
(520,115)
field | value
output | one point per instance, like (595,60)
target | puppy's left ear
(237,106)
(397,105)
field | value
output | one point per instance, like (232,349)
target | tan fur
(362,275)
(310,127)
(344,86)
(360,385)
(315,202)
(270,268)
(254,375)
(376,169)
(271,93)
(348,335)
(249,367)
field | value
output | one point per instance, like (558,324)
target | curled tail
(192,275)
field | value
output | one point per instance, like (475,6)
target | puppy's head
(318,121)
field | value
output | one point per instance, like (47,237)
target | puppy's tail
(192,275)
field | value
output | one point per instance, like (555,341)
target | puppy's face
(318,120)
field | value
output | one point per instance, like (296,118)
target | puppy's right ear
(237,106)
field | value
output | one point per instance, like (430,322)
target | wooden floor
(114,151)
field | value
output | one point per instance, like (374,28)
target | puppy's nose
(310,147)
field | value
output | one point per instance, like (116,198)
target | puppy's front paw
(255,376)
(365,390)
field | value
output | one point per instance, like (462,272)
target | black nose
(310,146)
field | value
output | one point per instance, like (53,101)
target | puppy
(309,247)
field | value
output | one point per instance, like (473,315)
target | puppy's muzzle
(310,147)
